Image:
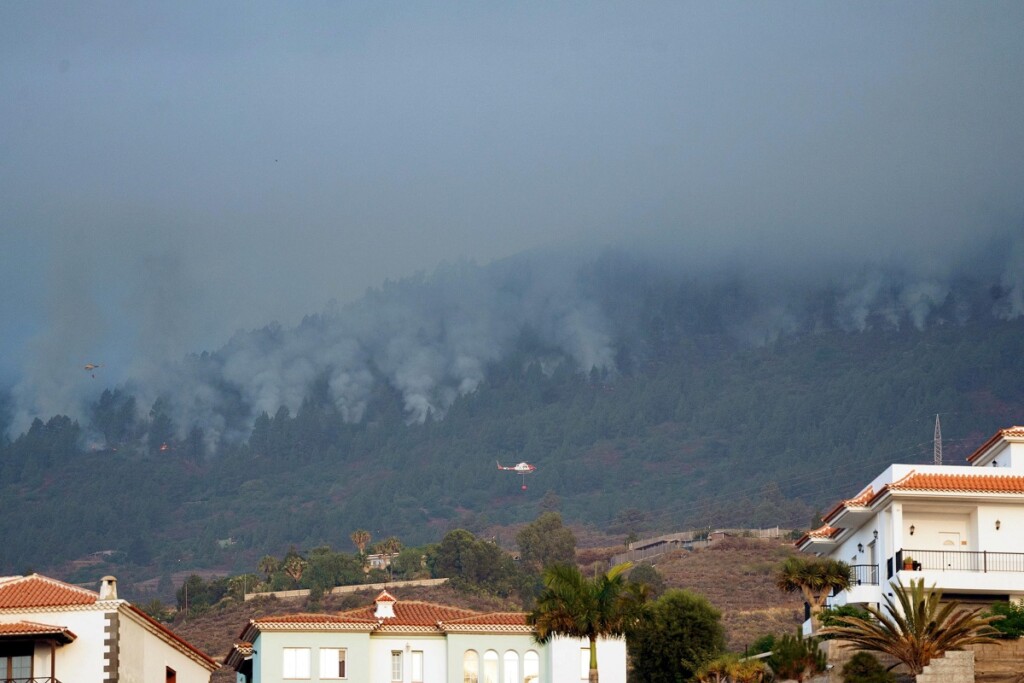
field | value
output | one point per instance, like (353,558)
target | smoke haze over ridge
(172,175)
(432,338)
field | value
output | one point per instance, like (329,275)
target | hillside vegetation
(701,433)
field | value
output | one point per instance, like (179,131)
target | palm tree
(295,567)
(917,629)
(390,547)
(815,577)
(360,537)
(572,605)
(268,565)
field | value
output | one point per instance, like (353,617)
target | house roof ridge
(1014,431)
(36,590)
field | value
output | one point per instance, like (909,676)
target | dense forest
(697,431)
(648,397)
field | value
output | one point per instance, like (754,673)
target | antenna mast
(938,440)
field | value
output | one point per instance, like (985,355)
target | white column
(897,532)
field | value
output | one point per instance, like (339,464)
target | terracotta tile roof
(494,622)
(823,533)
(966,483)
(31,628)
(412,613)
(1009,432)
(238,654)
(924,481)
(493,618)
(862,499)
(306,622)
(303,618)
(385,597)
(40,591)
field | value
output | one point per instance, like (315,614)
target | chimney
(385,603)
(108,588)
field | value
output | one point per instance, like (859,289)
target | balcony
(863,575)
(37,679)
(962,560)
(966,571)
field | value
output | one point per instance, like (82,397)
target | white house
(53,632)
(960,528)
(406,641)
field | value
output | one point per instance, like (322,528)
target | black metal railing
(36,679)
(961,560)
(863,575)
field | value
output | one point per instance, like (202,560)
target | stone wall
(1001,662)
(952,667)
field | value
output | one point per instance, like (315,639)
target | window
(416,662)
(531,667)
(296,662)
(490,667)
(16,661)
(396,665)
(585,663)
(470,667)
(332,662)
(511,667)
(170,675)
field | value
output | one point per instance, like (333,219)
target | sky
(171,173)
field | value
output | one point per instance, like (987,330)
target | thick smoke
(432,338)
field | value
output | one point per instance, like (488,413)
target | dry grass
(737,576)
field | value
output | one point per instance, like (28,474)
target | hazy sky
(171,172)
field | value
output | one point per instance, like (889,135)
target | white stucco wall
(1009,538)
(144,656)
(268,662)
(81,660)
(565,654)
(432,647)
(1003,455)
(459,643)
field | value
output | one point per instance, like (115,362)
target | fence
(355,588)
(689,540)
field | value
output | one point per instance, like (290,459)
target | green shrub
(730,669)
(864,667)
(796,657)
(828,617)
(765,643)
(1012,623)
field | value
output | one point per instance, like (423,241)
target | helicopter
(522,468)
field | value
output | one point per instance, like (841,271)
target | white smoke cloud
(432,338)
(1012,282)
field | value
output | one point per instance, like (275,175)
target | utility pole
(938,440)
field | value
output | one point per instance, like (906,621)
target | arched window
(511,667)
(490,667)
(531,667)
(470,667)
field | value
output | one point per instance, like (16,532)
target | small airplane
(522,468)
(89,367)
